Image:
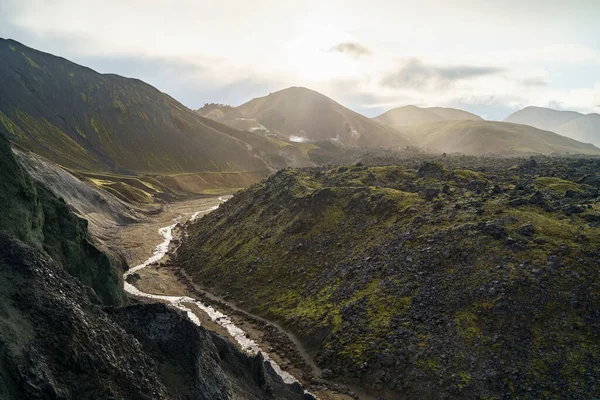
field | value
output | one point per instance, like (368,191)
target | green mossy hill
(88,121)
(455,277)
(34,215)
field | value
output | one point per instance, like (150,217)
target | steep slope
(93,122)
(418,281)
(413,115)
(308,115)
(542,118)
(59,339)
(585,129)
(58,345)
(33,214)
(232,117)
(503,138)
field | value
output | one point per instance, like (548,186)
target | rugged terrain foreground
(67,333)
(447,277)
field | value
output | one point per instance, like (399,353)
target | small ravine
(183,302)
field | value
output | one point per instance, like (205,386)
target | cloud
(495,71)
(352,49)
(535,82)
(415,74)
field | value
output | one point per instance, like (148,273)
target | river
(182,302)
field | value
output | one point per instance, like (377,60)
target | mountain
(582,127)
(542,118)
(585,129)
(303,114)
(459,277)
(88,121)
(503,138)
(413,115)
(231,116)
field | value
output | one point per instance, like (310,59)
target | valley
(379,270)
(294,246)
(163,279)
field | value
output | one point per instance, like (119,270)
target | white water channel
(180,302)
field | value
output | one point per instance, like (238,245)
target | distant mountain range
(88,121)
(302,114)
(413,115)
(581,127)
(305,115)
(104,123)
(502,138)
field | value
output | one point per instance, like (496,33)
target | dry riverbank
(139,241)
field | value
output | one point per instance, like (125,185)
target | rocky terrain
(33,214)
(66,331)
(433,277)
(58,345)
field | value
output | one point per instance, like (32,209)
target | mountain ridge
(502,138)
(435,277)
(302,114)
(88,121)
(578,126)
(414,115)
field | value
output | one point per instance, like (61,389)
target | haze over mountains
(582,127)
(303,114)
(501,138)
(413,115)
(93,122)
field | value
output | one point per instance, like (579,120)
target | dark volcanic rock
(478,293)
(57,344)
(494,229)
(34,215)
(199,364)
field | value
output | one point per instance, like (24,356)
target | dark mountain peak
(88,121)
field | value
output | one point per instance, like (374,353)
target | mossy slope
(88,121)
(457,278)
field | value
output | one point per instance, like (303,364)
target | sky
(488,57)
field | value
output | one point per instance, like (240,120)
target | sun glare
(311,56)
